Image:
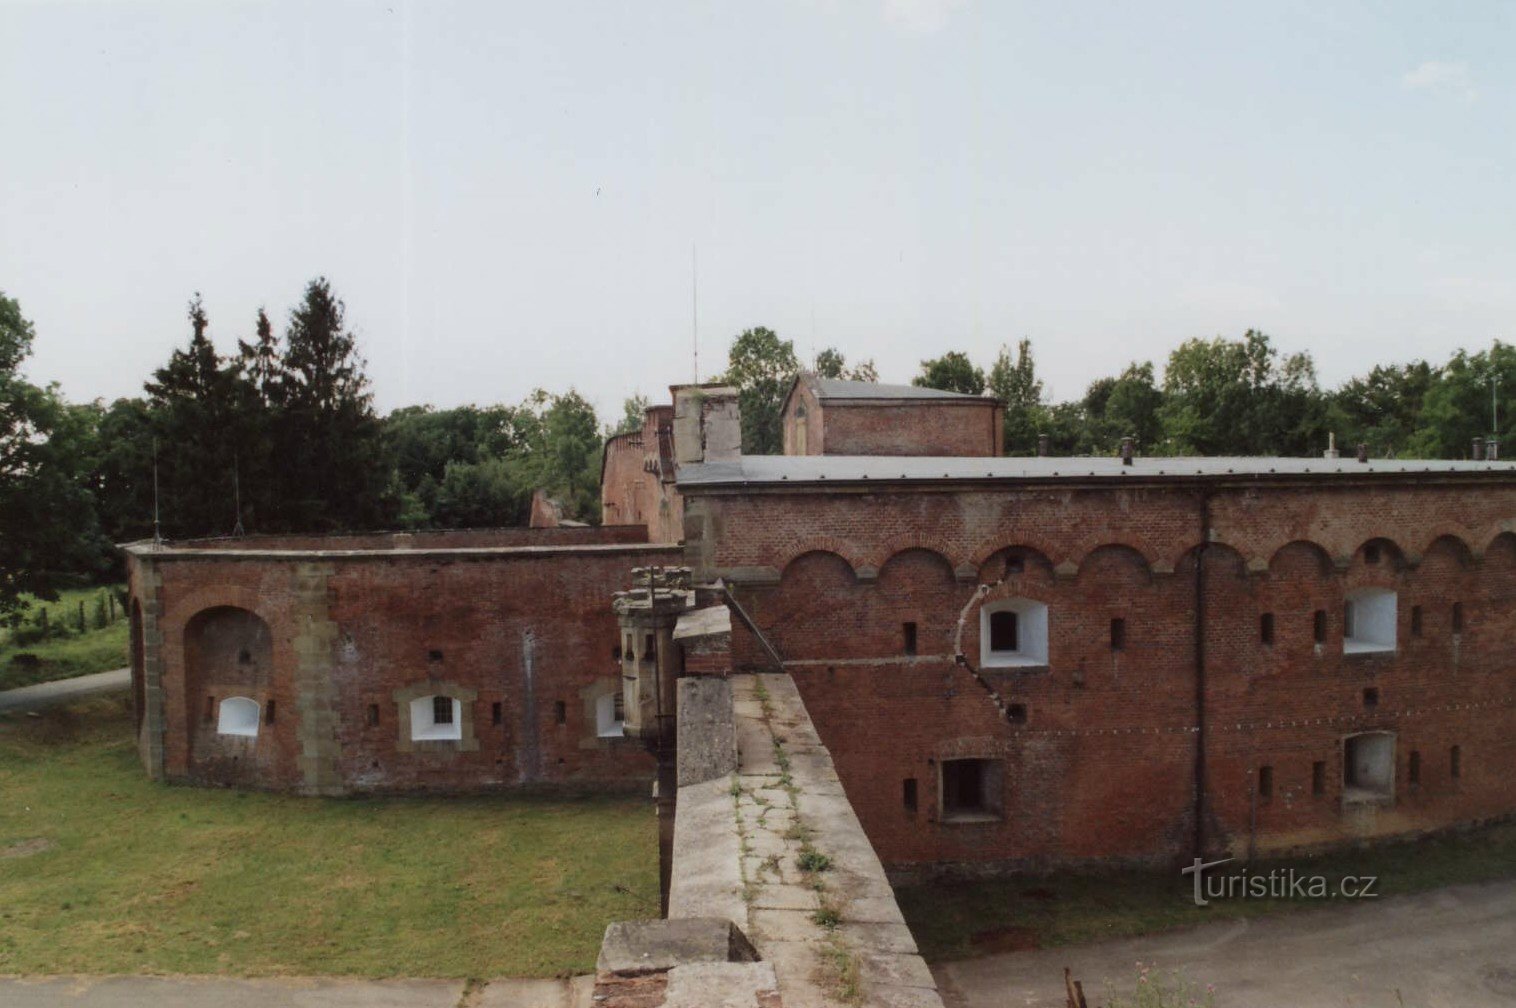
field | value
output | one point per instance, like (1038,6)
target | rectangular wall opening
(1265,782)
(1455,762)
(1266,628)
(1415,621)
(1368,767)
(908,635)
(1319,626)
(1319,777)
(497,713)
(971,790)
(1118,634)
(908,794)
(1413,767)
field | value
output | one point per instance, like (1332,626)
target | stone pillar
(149,598)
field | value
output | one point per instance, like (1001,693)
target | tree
(633,413)
(1382,409)
(1017,385)
(761,367)
(332,450)
(952,372)
(1124,406)
(830,363)
(571,455)
(1457,406)
(47,522)
(200,404)
(1233,397)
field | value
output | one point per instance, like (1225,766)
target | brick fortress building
(1015,661)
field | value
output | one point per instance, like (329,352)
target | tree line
(280,434)
(1216,397)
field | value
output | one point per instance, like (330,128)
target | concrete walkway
(326,992)
(59,691)
(1448,948)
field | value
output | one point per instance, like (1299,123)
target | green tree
(633,413)
(334,467)
(1234,397)
(1017,385)
(200,404)
(1125,406)
(47,521)
(761,367)
(1457,406)
(571,451)
(830,363)
(1383,408)
(952,372)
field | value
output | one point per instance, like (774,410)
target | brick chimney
(1478,453)
(1128,447)
(1363,451)
(1042,445)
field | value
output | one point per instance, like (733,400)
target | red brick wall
(632,488)
(391,613)
(1104,765)
(911,428)
(452,539)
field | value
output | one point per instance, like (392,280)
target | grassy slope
(148,878)
(959,919)
(64,658)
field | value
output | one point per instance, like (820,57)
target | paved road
(63,690)
(1449,948)
(223,992)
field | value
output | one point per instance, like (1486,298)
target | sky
(521,195)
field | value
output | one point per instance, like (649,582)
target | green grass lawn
(103,871)
(94,650)
(958,919)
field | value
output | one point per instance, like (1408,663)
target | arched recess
(1380,551)
(1099,541)
(829,546)
(816,608)
(1116,560)
(914,603)
(1300,557)
(1012,560)
(228,653)
(1501,551)
(1452,547)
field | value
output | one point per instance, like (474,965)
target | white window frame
(238,715)
(1371,618)
(424,727)
(606,725)
(1031,634)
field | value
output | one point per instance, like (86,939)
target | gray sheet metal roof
(770,469)
(834,388)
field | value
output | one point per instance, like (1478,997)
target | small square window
(971,790)
(1118,634)
(373,715)
(908,794)
(1371,697)
(1265,782)
(442,710)
(1005,631)
(434,655)
(1319,777)
(908,632)
(1016,713)
(1266,628)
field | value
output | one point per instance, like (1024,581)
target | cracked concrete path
(58,691)
(1446,948)
(287,992)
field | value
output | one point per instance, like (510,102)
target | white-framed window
(610,716)
(436,718)
(238,716)
(1368,621)
(1013,632)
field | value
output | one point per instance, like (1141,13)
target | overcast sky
(507,194)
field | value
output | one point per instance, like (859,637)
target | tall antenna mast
(237,529)
(157,532)
(695,311)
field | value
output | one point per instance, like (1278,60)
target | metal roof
(835,388)
(772,469)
